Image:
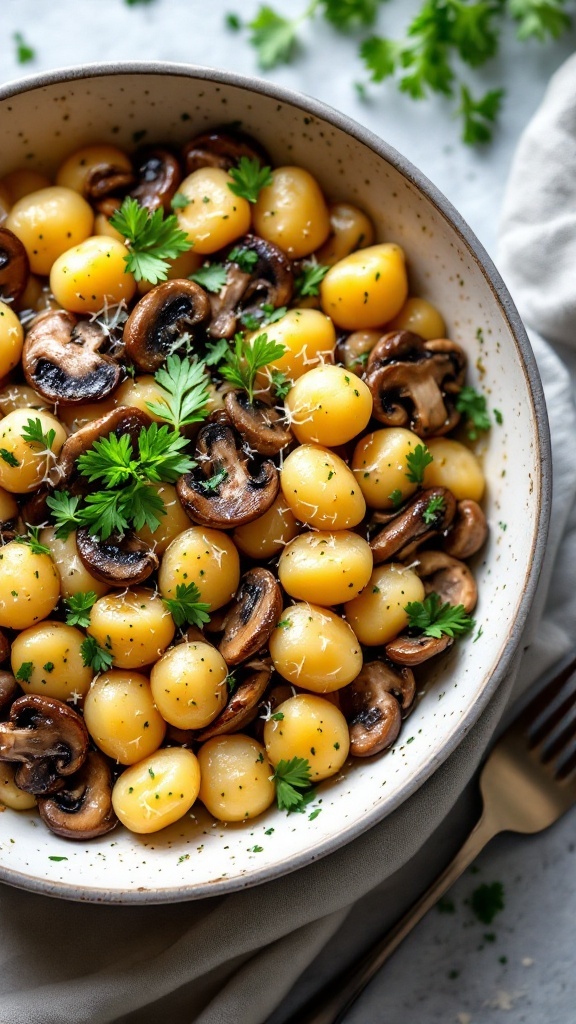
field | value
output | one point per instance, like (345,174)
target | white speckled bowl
(44,118)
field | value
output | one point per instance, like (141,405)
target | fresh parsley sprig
(309,279)
(433,509)
(472,405)
(79,607)
(98,658)
(433,617)
(32,539)
(212,277)
(153,239)
(417,462)
(130,498)
(186,607)
(33,434)
(440,38)
(8,457)
(243,362)
(246,259)
(186,387)
(249,178)
(293,781)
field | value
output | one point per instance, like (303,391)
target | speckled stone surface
(448,972)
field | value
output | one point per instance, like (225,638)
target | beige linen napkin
(234,960)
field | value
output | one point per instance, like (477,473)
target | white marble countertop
(452,970)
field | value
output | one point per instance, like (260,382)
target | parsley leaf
(395,497)
(79,607)
(293,784)
(33,434)
(98,658)
(233,21)
(186,385)
(212,277)
(432,617)
(487,901)
(417,462)
(179,201)
(472,405)
(431,513)
(185,606)
(309,279)
(273,37)
(244,258)
(216,351)
(24,53)
(249,178)
(244,361)
(280,383)
(479,115)
(64,509)
(8,457)
(349,14)
(32,539)
(152,239)
(539,18)
(25,671)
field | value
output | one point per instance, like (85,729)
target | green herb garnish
(79,607)
(185,606)
(25,671)
(433,509)
(98,658)
(153,239)
(433,617)
(186,387)
(246,358)
(33,434)
(472,405)
(417,462)
(309,279)
(293,784)
(212,277)
(249,178)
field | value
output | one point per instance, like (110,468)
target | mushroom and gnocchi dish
(237,493)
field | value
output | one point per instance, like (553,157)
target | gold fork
(527,783)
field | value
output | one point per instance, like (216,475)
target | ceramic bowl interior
(47,118)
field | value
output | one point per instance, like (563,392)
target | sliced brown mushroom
(373,712)
(14,266)
(47,737)
(160,319)
(4,647)
(125,420)
(252,616)
(62,362)
(159,175)
(242,707)
(106,179)
(468,531)
(412,382)
(8,689)
(229,487)
(222,147)
(259,424)
(270,281)
(413,650)
(119,561)
(448,577)
(401,535)
(82,809)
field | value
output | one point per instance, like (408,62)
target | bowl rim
(324,111)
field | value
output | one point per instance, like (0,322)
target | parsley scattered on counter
(487,901)
(24,53)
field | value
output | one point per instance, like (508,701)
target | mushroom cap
(120,561)
(8,689)
(468,531)
(48,737)
(14,265)
(374,713)
(448,577)
(222,147)
(406,530)
(254,613)
(246,489)
(106,179)
(270,281)
(413,650)
(259,424)
(159,175)
(161,317)
(62,363)
(410,379)
(242,707)
(82,809)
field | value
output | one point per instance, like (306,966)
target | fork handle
(329,1007)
